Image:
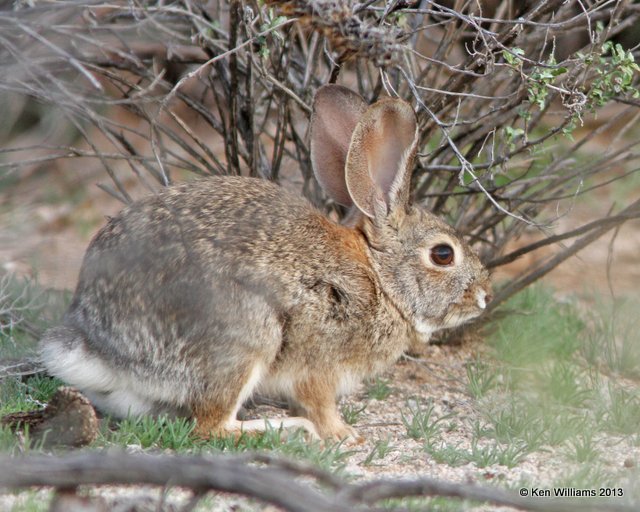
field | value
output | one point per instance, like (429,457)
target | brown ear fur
(336,112)
(378,167)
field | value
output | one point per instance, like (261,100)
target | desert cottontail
(194,298)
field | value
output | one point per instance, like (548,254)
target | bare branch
(261,477)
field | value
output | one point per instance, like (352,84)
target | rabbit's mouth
(473,304)
(454,317)
(457,315)
(470,305)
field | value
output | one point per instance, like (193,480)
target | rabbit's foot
(205,431)
(316,396)
(345,433)
(353,438)
(257,426)
(261,425)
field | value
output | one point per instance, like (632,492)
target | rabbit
(195,298)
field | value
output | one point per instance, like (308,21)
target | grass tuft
(421,422)
(380,450)
(34,393)
(148,432)
(379,389)
(351,413)
(177,434)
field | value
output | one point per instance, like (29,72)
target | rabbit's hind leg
(217,414)
(316,394)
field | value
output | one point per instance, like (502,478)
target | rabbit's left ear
(380,157)
(336,112)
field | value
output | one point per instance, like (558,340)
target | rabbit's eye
(442,254)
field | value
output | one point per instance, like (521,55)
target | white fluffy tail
(64,352)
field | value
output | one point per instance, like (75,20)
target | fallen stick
(258,476)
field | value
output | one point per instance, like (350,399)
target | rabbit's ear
(378,168)
(336,112)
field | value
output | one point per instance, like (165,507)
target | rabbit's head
(363,157)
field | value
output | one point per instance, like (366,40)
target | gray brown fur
(190,300)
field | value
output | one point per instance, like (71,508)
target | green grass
(480,455)
(17,395)
(8,441)
(557,377)
(421,422)
(548,381)
(539,330)
(25,311)
(380,450)
(178,435)
(379,389)
(621,412)
(613,341)
(437,504)
(552,379)
(351,413)
(151,433)
(163,433)
(32,501)
(481,378)
(584,448)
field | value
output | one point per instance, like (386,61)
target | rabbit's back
(174,246)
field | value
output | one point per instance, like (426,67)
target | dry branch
(613,222)
(599,230)
(11,368)
(269,479)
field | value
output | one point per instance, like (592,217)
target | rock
(69,420)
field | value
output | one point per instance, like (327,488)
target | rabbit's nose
(483,298)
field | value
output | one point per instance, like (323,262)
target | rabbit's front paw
(342,432)
(353,438)
(208,432)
